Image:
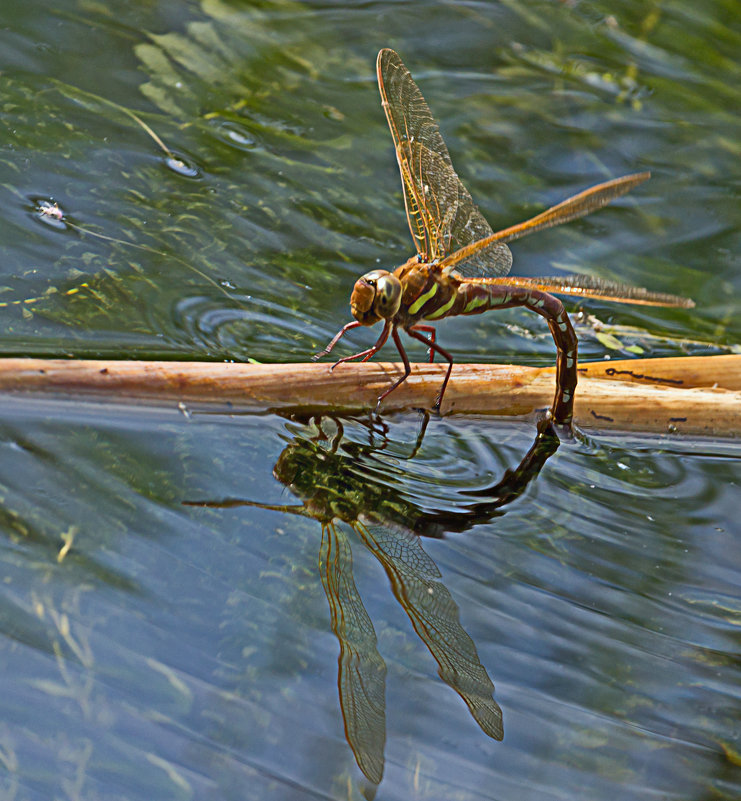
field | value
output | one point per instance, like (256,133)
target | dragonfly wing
(441,213)
(362,671)
(587,286)
(570,209)
(493,260)
(415,580)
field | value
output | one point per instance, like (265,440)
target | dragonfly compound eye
(376,296)
(388,296)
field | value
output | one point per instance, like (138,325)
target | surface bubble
(182,166)
(235,134)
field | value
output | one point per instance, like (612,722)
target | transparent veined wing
(361,669)
(570,209)
(415,580)
(441,213)
(587,286)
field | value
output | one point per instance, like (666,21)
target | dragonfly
(461,265)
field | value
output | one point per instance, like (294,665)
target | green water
(150,648)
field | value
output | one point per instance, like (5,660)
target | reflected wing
(570,209)
(435,617)
(362,672)
(441,213)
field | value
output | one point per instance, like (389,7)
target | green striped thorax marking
(422,299)
(444,309)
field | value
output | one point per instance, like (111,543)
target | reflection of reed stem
(689,395)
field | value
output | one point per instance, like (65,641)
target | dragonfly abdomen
(465,298)
(476,298)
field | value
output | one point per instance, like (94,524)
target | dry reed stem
(691,395)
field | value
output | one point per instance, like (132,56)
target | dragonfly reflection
(339,482)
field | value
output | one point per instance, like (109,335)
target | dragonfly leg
(337,337)
(407,366)
(414,332)
(430,329)
(364,355)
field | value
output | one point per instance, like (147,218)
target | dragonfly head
(375,296)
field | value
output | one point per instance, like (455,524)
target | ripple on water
(242,326)
(235,134)
(182,165)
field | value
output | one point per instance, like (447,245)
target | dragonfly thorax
(375,296)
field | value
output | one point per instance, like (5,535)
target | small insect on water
(460,264)
(50,213)
(48,209)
